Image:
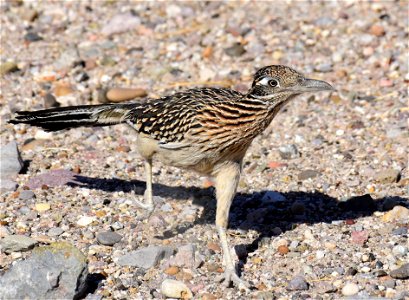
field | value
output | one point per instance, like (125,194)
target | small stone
(26,195)
(7,185)
(185,257)
(298,283)
(108,238)
(385,82)
(42,206)
(55,231)
(146,257)
(16,243)
(213,246)
(124,94)
(399,250)
(397,214)
(32,37)
(235,50)
(175,289)
(307,174)
(351,271)
(319,254)
(323,68)
(387,176)
(50,101)
(171,270)
(283,249)
(208,296)
(400,231)
(8,67)
(350,289)
(4,231)
(359,237)
(121,23)
(85,221)
(10,161)
(365,269)
(288,151)
(377,30)
(61,90)
(271,197)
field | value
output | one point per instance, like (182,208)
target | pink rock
(359,237)
(52,178)
(384,82)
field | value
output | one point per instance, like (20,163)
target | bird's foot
(230,276)
(146,205)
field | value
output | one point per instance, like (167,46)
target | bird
(207,130)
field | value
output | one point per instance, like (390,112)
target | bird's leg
(148,197)
(226,182)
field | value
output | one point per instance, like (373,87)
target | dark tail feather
(75,116)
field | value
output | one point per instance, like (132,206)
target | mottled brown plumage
(205,129)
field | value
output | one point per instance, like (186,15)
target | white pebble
(399,250)
(175,289)
(350,289)
(85,220)
(320,254)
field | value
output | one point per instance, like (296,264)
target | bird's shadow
(263,211)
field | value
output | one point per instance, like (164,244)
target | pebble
(146,257)
(350,289)
(50,101)
(4,231)
(320,254)
(307,174)
(8,67)
(271,196)
(26,195)
(11,162)
(175,289)
(32,37)
(397,214)
(288,151)
(16,243)
(400,231)
(85,220)
(359,237)
(42,206)
(235,50)
(377,30)
(121,23)
(298,283)
(399,250)
(108,238)
(387,176)
(55,231)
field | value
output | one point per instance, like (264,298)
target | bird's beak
(313,85)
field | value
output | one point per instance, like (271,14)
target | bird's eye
(273,83)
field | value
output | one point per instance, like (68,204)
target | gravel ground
(313,218)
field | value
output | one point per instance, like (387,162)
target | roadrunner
(207,130)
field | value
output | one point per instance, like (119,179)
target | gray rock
(108,238)
(235,50)
(307,174)
(26,195)
(15,243)
(400,231)
(50,101)
(10,161)
(387,176)
(270,197)
(55,231)
(298,283)
(288,151)
(57,271)
(323,68)
(7,185)
(401,273)
(146,257)
(121,23)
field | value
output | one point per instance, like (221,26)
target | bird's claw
(230,276)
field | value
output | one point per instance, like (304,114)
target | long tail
(75,116)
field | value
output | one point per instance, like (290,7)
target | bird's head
(279,84)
